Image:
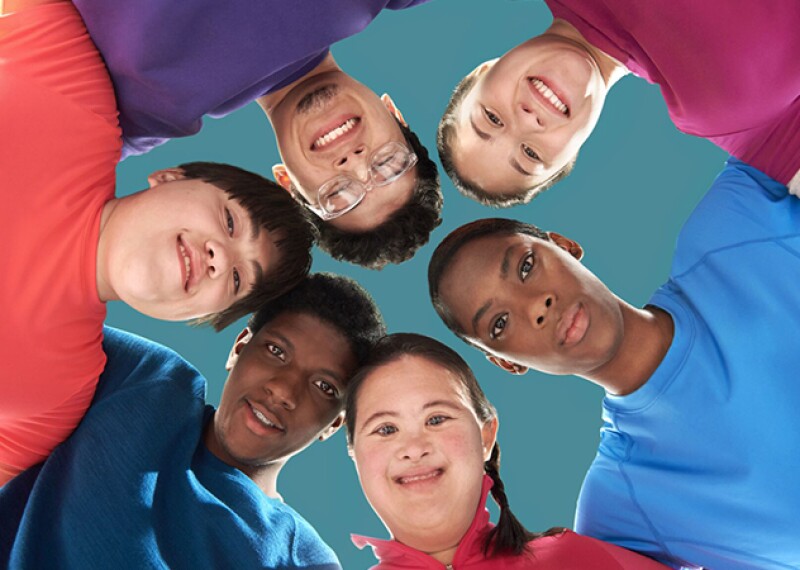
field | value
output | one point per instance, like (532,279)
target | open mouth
(336,132)
(420,478)
(573,326)
(186,261)
(551,99)
(265,418)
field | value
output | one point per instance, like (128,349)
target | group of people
(110,455)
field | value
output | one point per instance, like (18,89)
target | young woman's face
(419,450)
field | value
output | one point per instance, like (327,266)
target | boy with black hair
(207,241)
(155,477)
(696,463)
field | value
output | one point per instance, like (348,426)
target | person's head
(522,297)
(206,241)
(514,125)
(423,434)
(289,372)
(349,157)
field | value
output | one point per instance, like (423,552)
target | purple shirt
(729,71)
(173,62)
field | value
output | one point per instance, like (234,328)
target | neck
(105,291)
(611,69)
(271,101)
(265,476)
(647,336)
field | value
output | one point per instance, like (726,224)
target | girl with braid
(423,437)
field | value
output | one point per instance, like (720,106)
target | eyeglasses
(339,195)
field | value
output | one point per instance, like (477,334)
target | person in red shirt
(204,241)
(423,437)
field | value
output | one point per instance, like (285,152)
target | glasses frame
(365,187)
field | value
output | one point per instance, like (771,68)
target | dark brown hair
(509,536)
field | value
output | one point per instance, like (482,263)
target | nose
(282,391)
(531,117)
(539,309)
(414,446)
(218,259)
(355,162)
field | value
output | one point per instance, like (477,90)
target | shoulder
(569,550)
(743,205)
(134,361)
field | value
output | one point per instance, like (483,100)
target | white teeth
(262,418)
(186,262)
(416,478)
(334,134)
(548,94)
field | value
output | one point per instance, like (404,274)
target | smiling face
(419,450)
(180,250)
(529,302)
(527,114)
(330,125)
(285,389)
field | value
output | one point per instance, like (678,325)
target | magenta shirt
(173,62)
(729,71)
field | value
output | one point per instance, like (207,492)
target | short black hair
(272,209)
(446,134)
(336,300)
(447,250)
(399,237)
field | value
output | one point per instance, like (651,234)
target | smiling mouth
(420,477)
(263,419)
(187,263)
(549,95)
(333,134)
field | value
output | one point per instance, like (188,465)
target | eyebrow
(517,166)
(480,133)
(258,271)
(504,265)
(377,415)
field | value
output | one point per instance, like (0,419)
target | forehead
(314,342)
(407,384)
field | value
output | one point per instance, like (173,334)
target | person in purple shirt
(339,141)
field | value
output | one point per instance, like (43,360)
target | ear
(166,175)
(244,337)
(570,246)
(281,176)
(489,437)
(507,365)
(392,108)
(333,428)
(483,67)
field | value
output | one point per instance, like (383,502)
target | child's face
(419,450)
(529,302)
(527,115)
(182,249)
(285,389)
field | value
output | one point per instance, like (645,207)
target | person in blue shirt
(697,464)
(154,477)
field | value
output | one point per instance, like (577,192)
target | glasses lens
(339,195)
(390,162)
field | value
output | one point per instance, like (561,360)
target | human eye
(276,351)
(492,118)
(437,420)
(385,430)
(229,222)
(498,326)
(327,388)
(530,153)
(526,265)
(237,281)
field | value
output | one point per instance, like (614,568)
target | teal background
(635,182)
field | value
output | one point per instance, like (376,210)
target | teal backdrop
(635,182)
